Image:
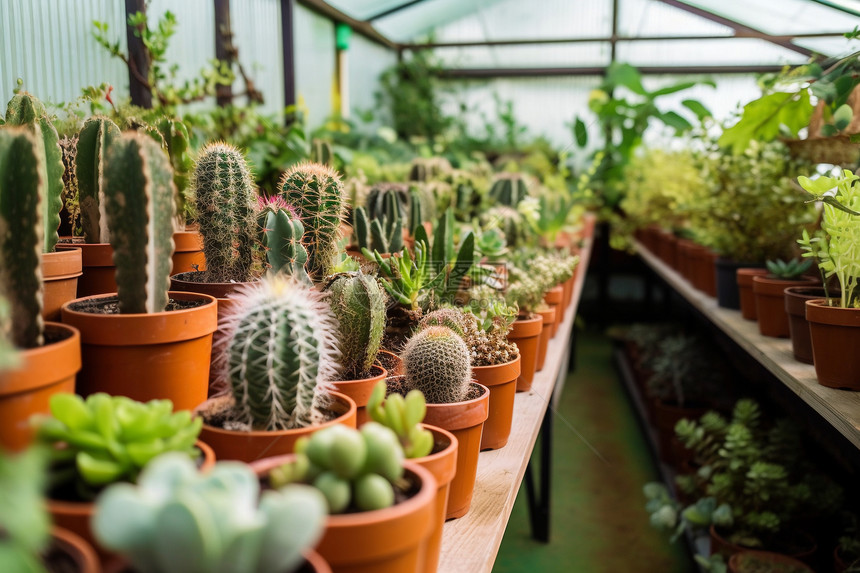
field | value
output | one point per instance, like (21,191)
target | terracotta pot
(77,515)
(147,356)
(770,304)
(390,540)
(466,421)
(188,252)
(708,262)
(745,291)
(97,266)
(27,390)
(697,264)
(525,333)
(554,297)
(359,391)
(314,563)
(665,416)
(548,317)
(568,290)
(501,379)
(835,334)
(76,549)
(391,362)
(60,273)
(258,444)
(777,560)
(684,257)
(795,307)
(723,546)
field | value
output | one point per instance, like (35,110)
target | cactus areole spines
(436,361)
(358,303)
(139,197)
(96,136)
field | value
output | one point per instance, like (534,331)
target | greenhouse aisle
(599,524)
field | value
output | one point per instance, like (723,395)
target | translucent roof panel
(653,18)
(365,9)
(419,19)
(728,52)
(831,46)
(537,56)
(781,16)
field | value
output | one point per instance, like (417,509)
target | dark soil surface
(110,305)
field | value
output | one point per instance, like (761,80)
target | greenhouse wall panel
(257,33)
(315,63)
(367,61)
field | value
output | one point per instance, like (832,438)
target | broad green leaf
(673,120)
(817,186)
(697,108)
(843,116)
(627,76)
(762,117)
(580,132)
(679,87)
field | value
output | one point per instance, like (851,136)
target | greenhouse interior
(408,286)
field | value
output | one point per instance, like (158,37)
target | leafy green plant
(787,270)
(24,520)
(684,371)
(403,415)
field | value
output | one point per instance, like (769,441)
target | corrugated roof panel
(782,16)
(653,18)
(544,55)
(837,46)
(364,9)
(419,19)
(731,51)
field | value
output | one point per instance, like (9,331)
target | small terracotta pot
(359,391)
(777,560)
(723,546)
(795,307)
(466,421)
(665,416)
(97,266)
(161,355)
(501,379)
(525,333)
(770,304)
(188,252)
(60,273)
(568,290)
(390,540)
(76,549)
(554,297)
(27,390)
(258,444)
(391,362)
(548,317)
(835,334)
(745,291)
(684,257)
(314,563)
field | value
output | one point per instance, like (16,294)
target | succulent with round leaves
(403,415)
(787,270)
(177,519)
(358,303)
(436,361)
(281,237)
(24,519)
(508,189)
(95,138)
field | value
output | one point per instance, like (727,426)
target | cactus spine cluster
(25,110)
(316,192)
(139,207)
(358,303)
(69,148)
(508,189)
(22,191)
(94,140)
(281,352)
(281,234)
(436,361)
(226,211)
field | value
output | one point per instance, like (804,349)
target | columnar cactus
(69,149)
(436,361)
(384,234)
(226,212)
(358,303)
(25,110)
(428,168)
(376,201)
(417,216)
(508,189)
(22,192)
(95,138)
(281,353)
(281,234)
(316,192)
(139,208)
(321,152)
(174,134)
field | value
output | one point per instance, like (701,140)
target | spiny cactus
(321,152)
(376,201)
(428,168)
(95,138)
(316,193)
(139,208)
(487,347)
(358,303)
(436,362)
(281,236)
(417,214)
(25,110)
(176,141)
(281,353)
(508,189)
(384,234)
(70,198)
(226,211)
(22,191)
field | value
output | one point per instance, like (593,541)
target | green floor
(598,524)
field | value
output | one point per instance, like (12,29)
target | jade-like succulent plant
(403,415)
(281,234)
(94,140)
(358,303)
(508,189)
(436,361)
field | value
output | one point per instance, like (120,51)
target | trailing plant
(95,138)
(403,415)
(437,362)
(787,270)
(25,524)
(178,519)
(281,234)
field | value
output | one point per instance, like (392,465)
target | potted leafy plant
(766,562)
(526,292)
(769,291)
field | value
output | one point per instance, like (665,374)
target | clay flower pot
(391,362)
(466,421)
(664,417)
(501,379)
(97,265)
(146,356)
(60,273)
(835,334)
(43,372)
(553,298)
(778,562)
(745,291)
(548,317)
(188,252)
(359,391)
(258,444)
(721,545)
(390,540)
(525,333)
(74,548)
(795,307)
(770,304)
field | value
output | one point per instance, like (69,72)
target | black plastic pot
(728,295)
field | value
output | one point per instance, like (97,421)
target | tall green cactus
(226,210)
(377,198)
(96,136)
(321,152)
(22,192)
(177,142)
(281,234)
(509,189)
(416,211)
(25,110)
(139,208)
(281,353)
(358,303)
(316,192)
(428,168)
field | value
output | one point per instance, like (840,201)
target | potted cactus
(526,293)
(50,353)
(144,342)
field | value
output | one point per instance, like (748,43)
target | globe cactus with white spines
(436,361)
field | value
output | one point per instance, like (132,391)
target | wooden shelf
(840,408)
(470,544)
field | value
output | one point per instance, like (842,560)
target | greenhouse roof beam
(837,6)
(360,26)
(393,10)
(484,73)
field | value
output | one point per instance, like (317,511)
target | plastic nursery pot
(72,547)
(835,334)
(501,379)
(805,546)
(795,307)
(553,297)
(42,372)
(390,540)
(97,267)
(359,391)
(466,421)
(525,333)
(770,304)
(728,295)
(754,561)
(60,273)
(161,355)
(188,252)
(548,317)
(745,291)
(258,444)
